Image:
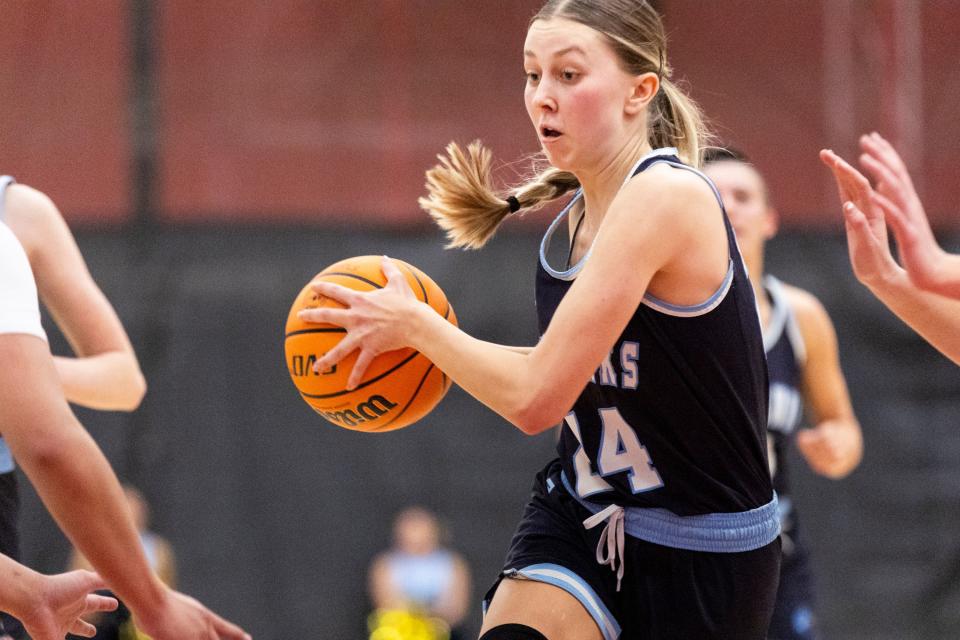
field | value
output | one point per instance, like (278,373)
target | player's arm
(934,317)
(833,447)
(105,373)
(535,390)
(69,471)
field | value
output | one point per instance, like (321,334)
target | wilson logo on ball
(367,411)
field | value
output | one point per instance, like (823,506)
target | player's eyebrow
(571,49)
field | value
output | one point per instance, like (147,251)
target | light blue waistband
(6,458)
(711,532)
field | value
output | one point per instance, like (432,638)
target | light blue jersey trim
(572,272)
(710,532)
(576,586)
(6,458)
(703,308)
(711,303)
(5,181)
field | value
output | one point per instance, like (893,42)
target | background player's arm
(105,374)
(833,447)
(934,317)
(82,493)
(675,237)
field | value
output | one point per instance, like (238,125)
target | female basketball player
(658,520)
(70,472)
(105,373)
(51,606)
(935,317)
(804,369)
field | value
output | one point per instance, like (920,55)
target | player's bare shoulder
(811,315)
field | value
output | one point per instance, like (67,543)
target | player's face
(745,199)
(575,93)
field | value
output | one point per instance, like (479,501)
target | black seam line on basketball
(354,276)
(410,401)
(422,288)
(361,386)
(323,330)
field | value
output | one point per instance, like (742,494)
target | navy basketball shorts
(665,593)
(793,614)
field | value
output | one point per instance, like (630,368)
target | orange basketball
(398,388)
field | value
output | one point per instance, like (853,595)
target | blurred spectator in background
(119,625)
(419,578)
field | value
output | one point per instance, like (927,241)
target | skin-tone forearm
(105,373)
(69,471)
(109,381)
(934,317)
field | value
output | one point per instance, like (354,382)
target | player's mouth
(549,134)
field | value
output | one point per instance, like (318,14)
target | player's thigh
(548,609)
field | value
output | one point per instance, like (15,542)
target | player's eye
(532,77)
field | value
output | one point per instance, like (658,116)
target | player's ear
(643,89)
(771,223)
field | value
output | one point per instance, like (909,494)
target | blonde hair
(461,197)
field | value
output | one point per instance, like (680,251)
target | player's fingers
(341,294)
(852,183)
(880,148)
(902,227)
(227,630)
(83,629)
(326,315)
(342,349)
(96,602)
(395,278)
(888,183)
(359,368)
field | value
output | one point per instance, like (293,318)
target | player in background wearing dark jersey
(925,291)
(104,374)
(804,371)
(658,520)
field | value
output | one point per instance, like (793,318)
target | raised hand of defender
(374,320)
(62,602)
(867,240)
(926,263)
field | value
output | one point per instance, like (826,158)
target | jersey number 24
(620,450)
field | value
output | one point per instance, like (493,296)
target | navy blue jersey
(676,415)
(785,353)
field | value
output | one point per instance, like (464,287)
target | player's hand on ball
(375,320)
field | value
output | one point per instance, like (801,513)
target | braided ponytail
(463,202)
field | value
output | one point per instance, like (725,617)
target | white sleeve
(19,309)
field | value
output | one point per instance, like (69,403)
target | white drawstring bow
(611,542)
